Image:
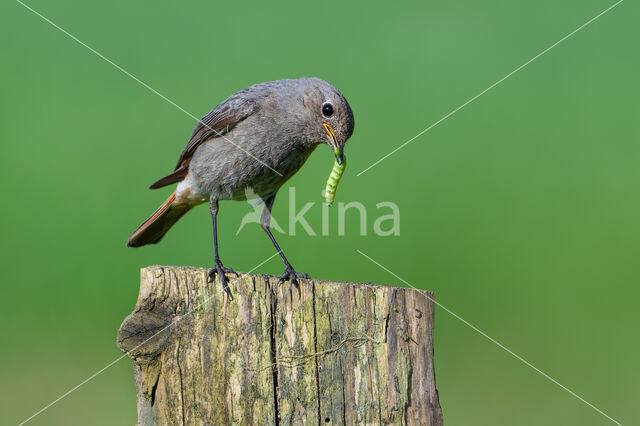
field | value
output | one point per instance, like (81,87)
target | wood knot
(144,334)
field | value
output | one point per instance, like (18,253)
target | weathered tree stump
(331,352)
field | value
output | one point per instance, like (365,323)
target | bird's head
(330,119)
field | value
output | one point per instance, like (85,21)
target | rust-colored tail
(153,229)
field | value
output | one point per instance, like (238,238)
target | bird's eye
(327,109)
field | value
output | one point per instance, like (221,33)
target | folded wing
(216,123)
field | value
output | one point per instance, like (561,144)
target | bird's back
(258,152)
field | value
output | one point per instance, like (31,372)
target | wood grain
(328,352)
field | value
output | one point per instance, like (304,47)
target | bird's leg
(218,268)
(265,221)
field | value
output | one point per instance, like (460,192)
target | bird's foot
(291,274)
(228,270)
(222,272)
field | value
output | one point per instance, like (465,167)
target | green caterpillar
(334,179)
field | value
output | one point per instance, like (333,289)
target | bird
(253,142)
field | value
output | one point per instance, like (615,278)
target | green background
(520,211)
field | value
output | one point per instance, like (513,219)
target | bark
(328,352)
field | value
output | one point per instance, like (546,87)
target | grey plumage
(256,139)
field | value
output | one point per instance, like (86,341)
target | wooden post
(340,353)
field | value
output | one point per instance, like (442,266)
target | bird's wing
(219,121)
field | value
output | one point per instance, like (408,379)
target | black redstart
(256,139)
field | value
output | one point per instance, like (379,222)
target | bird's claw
(291,274)
(228,270)
(222,272)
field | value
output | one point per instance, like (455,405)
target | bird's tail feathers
(153,229)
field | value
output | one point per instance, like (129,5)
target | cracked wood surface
(330,353)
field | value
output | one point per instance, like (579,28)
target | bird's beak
(336,145)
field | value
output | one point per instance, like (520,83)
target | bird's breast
(261,163)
